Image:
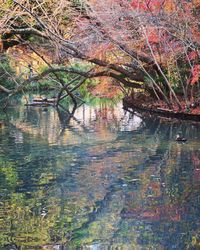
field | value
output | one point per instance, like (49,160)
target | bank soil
(146,104)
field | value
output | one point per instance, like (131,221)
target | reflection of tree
(168,195)
(125,190)
(158,160)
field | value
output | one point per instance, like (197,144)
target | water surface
(103,179)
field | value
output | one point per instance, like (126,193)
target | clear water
(103,179)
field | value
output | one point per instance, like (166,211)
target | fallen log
(41,100)
(40,104)
(129,106)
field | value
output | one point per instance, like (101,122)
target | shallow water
(103,179)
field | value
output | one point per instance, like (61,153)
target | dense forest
(148,49)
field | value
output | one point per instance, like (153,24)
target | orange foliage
(193,55)
(167,5)
(1,46)
(195,74)
(106,88)
(153,5)
(153,35)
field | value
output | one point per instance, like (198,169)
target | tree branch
(23,31)
(5,90)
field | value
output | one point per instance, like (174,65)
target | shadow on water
(97,178)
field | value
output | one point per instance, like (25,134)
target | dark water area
(103,179)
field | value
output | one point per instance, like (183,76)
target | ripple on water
(100,180)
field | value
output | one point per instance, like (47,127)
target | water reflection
(101,179)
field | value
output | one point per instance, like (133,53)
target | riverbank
(158,108)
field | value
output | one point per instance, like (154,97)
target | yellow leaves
(21,56)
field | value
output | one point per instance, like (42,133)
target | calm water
(103,179)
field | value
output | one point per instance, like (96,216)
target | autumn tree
(145,44)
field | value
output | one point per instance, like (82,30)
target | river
(102,179)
